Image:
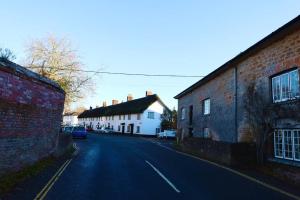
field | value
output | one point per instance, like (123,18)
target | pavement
(124,167)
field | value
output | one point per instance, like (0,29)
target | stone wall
(31,109)
(220,121)
(281,55)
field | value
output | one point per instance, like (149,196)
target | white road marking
(233,171)
(159,173)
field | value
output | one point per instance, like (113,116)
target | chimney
(104,104)
(148,93)
(129,97)
(114,102)
(91,107)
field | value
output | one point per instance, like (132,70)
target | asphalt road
(120,167)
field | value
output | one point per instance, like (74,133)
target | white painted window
(287,144)
(138,116)
(129,116)
(206,133)
(182,113)
(112,117)
(206,106)
(151,115)
(286,86)
(119,117)
(138,129)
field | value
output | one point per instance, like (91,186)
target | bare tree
(7,54)
(263,116)
(56,59)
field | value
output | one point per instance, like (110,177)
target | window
(206,106)
(138,129)
(182,113)
(287,144)
(119,128)
(129,116)
(123,117)
(285,86)
(138,117)
(112,117)
(119,117)
(151,115)
(157,130)
(206,133)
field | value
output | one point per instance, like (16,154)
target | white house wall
(147,126)
(70,120)
(150,125)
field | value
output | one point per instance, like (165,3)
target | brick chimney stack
(114,102)
(129,97)
(104,104)
(91,108)
(148,93)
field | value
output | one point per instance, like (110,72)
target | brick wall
(275,58)
(227,120)
(280,56)
(220,121)
(30,116)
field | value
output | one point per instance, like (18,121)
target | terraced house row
(214,107)
(135,116)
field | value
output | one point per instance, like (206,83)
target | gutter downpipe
(235,105)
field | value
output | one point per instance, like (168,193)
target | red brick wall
(30,117)
(280,56)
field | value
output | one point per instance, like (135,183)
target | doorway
(131,128)
(123,128)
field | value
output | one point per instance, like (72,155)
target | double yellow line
(42,194)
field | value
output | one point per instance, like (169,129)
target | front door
(123,129)
(131,128)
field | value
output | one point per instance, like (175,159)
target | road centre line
(232,171)
(159,173)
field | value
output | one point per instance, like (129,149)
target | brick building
(31,109)
(214,107)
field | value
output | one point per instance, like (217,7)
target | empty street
(121,167)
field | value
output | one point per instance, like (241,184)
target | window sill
(285,161)
(288,101)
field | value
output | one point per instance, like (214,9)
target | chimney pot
(91,107)
(114,102)
(148,93)
(104,104)
(129,97)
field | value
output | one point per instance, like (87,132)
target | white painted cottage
(135,116)
(70,118)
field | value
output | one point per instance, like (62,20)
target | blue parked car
(79,132)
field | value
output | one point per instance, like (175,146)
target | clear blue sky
(138,36)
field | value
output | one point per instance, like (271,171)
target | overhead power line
(127,74)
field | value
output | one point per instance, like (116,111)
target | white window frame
(282,132)
(150,115)
(206,106)
(183,113)
(289,74)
